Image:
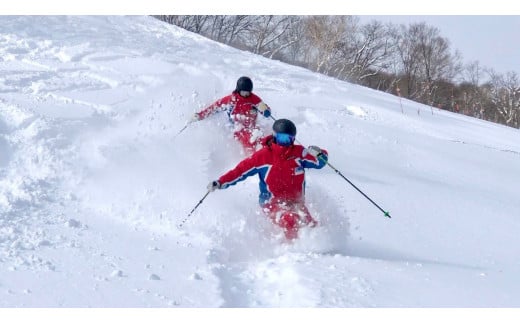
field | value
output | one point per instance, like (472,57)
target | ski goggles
(283,139)
(245,93)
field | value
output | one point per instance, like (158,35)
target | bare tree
(470,93)
(196,24)
(407,60)
(266,34)
(324,37)
(437,63)
(293,53)
(505,96)
(229,29)
(425,60)
(365,53)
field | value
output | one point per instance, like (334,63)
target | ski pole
(196,206)
(183,128)
(386,213)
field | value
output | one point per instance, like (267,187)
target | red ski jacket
(241,110)
(281,170)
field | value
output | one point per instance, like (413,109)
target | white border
(260,7)
(229,315)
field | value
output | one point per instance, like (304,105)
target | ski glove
(264,109)
(213,186)
(194,118)
(314,151)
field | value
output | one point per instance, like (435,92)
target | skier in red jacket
(280,166)
(242,107)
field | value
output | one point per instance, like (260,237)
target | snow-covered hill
(94,181)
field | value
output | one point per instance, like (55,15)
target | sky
(95,178)
(491,40)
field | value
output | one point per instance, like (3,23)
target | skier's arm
(244,169)
(314,157)
(216,106)
(264,109)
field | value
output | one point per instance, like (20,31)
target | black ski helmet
(244,84)
(284,126)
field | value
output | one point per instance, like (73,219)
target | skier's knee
(289,220)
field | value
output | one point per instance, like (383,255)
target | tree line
(412,61)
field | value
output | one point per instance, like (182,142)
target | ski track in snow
(27,187)
(291,280)
(256,267)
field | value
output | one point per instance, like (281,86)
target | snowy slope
(94,179)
